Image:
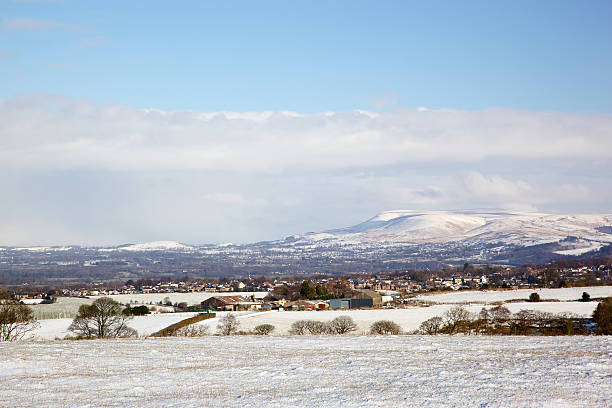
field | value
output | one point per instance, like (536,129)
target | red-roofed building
(231,303)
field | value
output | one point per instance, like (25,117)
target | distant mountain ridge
(516,228)
(390,241)
(585,232)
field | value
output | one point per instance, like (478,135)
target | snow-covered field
(563,294)
(409,319)
(334,371)
(66,307)
(31,301)
(50,329)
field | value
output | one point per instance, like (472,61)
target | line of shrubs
(500,321)
(228,326)
(341,325)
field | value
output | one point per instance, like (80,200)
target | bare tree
(500,314)
(603,316)
(192,330)
(385,327)
(103,318)
(534,297)
(316,327)
(431,326)
(522,321)
(456,318)
(16,321)
(342,325)
(264,329)
(299,327)
(228,325)
(485,315)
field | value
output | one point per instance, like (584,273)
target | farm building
(340,303)
(365,298)
(309,305)
(231,303)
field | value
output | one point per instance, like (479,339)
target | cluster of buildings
(167,287)
(361,299)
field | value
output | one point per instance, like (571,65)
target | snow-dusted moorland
(306,371)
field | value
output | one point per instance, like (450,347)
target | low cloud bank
(45,131)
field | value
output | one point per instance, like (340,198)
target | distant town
(316,291)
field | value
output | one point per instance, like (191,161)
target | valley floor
(310,371)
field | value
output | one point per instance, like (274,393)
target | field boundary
(170,330)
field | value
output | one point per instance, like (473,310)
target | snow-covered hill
(156,246)
(587,231)
(390,240)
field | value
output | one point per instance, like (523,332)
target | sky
(231,121)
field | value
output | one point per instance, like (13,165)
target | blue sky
(312,56)
(238,121)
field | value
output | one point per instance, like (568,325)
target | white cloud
(409,197)
(226,198)
(83,172)
(519,194)
(28,24)
(384,100)
(496,187)
(59,65)
(92,42)
(56,132)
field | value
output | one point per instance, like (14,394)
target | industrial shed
(367,298)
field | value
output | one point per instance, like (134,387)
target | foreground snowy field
(245,371)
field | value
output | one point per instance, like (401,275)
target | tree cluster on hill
(141,310)
(305,290)
(385,327)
